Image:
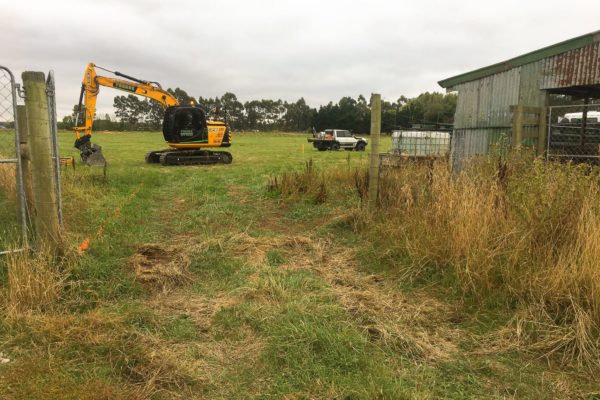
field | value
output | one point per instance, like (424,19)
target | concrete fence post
(43,180)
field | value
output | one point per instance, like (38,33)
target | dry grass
(145,362)
(517,229)
(415,326)
(528,231)
(312,183)
(146,365)
(34,281)
(7,181)
(162,266)
(212,355)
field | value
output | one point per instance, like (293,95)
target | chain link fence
(574,133)
(13,205)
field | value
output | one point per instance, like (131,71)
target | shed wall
(483,116)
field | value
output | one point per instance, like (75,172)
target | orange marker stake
(84,246)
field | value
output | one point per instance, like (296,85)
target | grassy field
(201,282)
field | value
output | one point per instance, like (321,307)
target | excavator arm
(90,87)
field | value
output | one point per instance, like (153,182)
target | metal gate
(13,204)
(574,133)
(51,93)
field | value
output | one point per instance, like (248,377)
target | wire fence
(13,210)
(574,133)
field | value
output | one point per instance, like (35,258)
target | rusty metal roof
(568,67)
(577,67)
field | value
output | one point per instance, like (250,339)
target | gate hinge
(20,90)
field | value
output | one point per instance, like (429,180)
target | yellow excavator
(186,128)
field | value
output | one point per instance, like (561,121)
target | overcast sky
(320,50)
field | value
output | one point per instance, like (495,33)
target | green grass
(256,320)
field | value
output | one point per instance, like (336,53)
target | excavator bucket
(95,157)
(91,154)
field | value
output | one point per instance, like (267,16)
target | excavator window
(185,124)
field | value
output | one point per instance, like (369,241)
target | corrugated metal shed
(591,39)
(483,117)
(578,67)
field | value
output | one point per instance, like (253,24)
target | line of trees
(134,113)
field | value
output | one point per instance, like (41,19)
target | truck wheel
(335,146)
(321,148)
(360,146)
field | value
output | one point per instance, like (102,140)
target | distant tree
(154,114)
(127,109)
(181,96)
(269,114)
(134,113)
(68,121)
(298,116)
(234,109)
(253,115)
(326,117)
(208,103)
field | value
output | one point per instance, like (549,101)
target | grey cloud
(319,50)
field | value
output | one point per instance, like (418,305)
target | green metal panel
(486,102)
(529,86)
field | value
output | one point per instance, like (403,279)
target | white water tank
(420,143)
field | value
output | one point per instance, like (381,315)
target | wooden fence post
(517,126)
(543,132)
(374,159)
(43,181)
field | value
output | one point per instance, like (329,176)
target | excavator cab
(183,124)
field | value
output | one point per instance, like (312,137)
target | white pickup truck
(335,139)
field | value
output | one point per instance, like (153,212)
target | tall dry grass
(516,228)
(313,183)
(34,282)
(7,181)
(520,229)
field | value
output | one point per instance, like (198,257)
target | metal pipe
(20,186)
(79,106)
(50,90)
(117,73)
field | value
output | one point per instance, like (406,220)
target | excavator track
(188,157)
